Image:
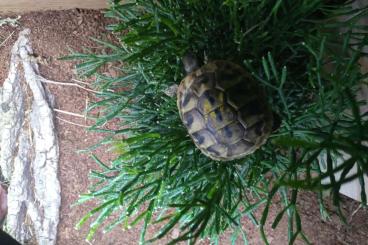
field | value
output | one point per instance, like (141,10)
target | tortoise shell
(224,110)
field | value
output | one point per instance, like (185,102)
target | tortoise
(224,109)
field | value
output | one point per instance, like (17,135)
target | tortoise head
(190,63)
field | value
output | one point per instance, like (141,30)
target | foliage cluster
(304,52)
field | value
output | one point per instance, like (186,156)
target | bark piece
(29,150)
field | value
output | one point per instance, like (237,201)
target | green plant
(306,55)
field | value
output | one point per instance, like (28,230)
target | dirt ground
(53,33)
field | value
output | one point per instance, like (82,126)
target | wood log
(21,6)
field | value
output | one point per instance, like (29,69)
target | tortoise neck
(190,63)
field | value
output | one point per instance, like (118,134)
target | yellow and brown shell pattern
(224,110)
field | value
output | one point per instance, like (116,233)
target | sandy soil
(53,33)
